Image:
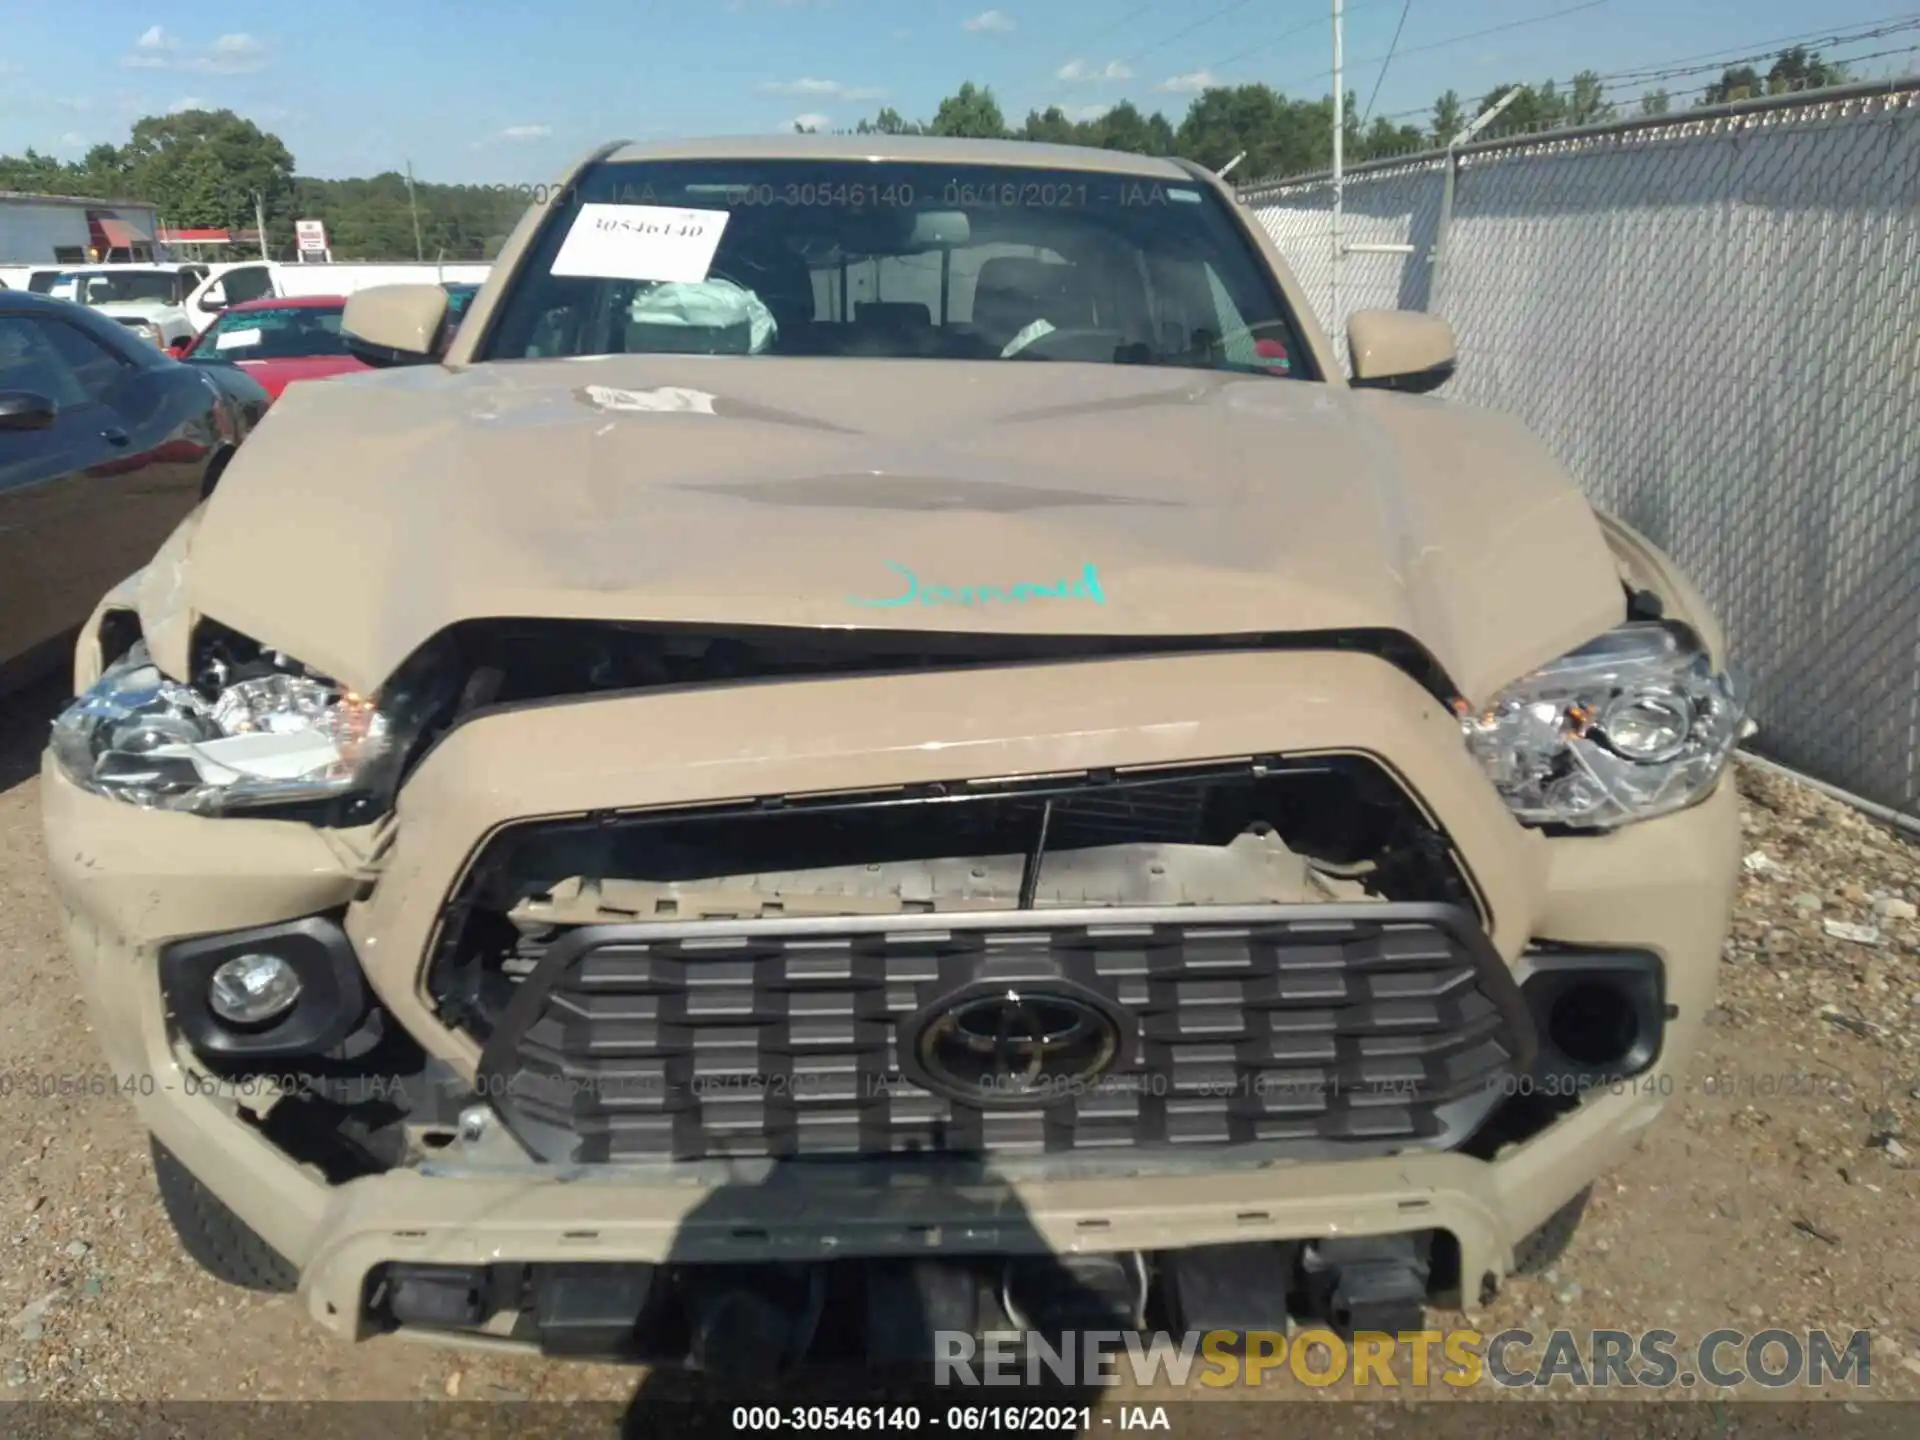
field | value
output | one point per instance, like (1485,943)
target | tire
(225,1246)
(1547,1244)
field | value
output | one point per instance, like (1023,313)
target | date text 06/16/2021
(1060,1420)
(892,195)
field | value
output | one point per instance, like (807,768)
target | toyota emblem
(1014,1046)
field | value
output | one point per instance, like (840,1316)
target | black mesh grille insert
(1362,1028)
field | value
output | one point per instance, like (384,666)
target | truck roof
(908,148)
(116,267)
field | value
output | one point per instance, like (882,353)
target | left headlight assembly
(1635,724)
(266,734)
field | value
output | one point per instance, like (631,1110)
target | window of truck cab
(909,259)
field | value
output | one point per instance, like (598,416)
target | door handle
(114,435)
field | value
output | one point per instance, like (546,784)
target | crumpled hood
(367,514)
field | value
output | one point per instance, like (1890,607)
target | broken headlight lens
(272,735)
(1634,724)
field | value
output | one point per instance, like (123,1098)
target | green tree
(204,167)
(971,113)
(1587,102)
(1383,138)
(1655,102)
(1125,128)
(34,172)
(1449,117)
(1536,107)
(888,122)
(1050,127)
(1275,134)
(1800,69)
(1741,82)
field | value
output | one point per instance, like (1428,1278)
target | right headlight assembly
(256,730)
(1635,724)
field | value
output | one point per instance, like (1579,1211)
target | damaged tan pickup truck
(882,744)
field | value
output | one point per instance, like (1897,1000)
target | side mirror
(214,301)
(1402,350)
(24,410)
(394,324)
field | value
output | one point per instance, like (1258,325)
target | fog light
(251,989)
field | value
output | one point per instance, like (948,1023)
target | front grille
(1290,1030)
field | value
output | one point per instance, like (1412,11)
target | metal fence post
(1437,257)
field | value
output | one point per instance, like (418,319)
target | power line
(1122,23)
(1770,48)
(1470,35)
(1200,24)
(1099,35)
(1682,66)
(1314,24)
(1406,6)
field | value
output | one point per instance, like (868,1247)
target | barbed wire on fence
(1901,89)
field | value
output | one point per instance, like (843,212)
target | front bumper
(134,880)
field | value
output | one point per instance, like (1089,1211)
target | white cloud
(154,50)
(239,46)
(511,135)
(808,122)
(189,102)
(1080,114)
(995,20)
(1079,72)
(236,53)
(1190,83)
(824,89)
(73,140)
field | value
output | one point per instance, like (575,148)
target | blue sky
(508,92)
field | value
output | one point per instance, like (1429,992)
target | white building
(41,230)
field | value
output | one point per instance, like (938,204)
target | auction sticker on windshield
(641,242)
(234,339)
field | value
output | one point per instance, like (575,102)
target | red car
(278,340)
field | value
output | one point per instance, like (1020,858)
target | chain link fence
(1714,319)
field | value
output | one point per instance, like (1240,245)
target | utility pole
(419,250)
(260,223)
(1339,155)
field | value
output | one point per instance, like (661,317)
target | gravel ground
(1779,1191)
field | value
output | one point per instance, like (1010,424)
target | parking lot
(1779,1192)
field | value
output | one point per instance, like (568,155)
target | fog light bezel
(1546,976)
(332,1002)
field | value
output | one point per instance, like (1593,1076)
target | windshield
(896,260)
(106,287)
(283,332)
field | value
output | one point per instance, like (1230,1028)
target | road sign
(310,239)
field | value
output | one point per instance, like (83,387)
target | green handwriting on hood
(1085,586)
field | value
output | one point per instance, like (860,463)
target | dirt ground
(1780,1190)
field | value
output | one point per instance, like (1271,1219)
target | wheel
(1547,1244)
(225,1245)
